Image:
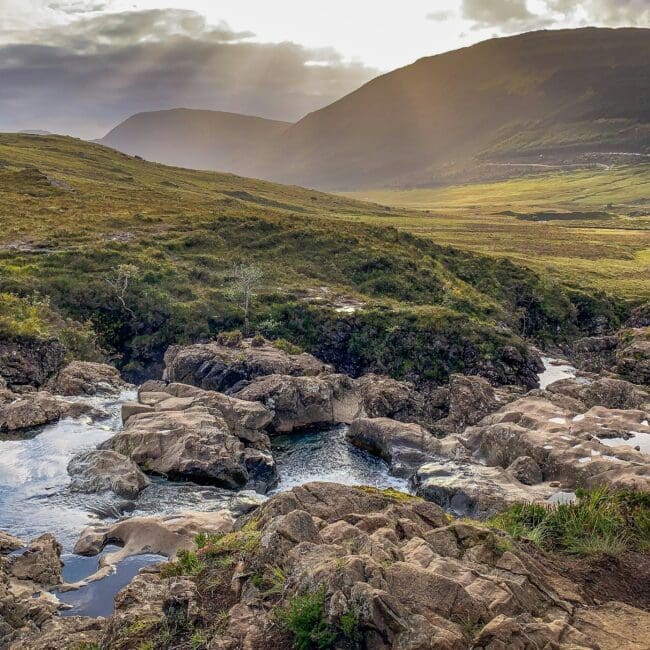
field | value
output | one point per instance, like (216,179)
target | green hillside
(589,228)
(77,217)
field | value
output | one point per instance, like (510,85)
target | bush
(232,339)
(599,521)
(287,346)
(305,617)
(258,341)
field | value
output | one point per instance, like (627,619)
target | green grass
(599,521)
(74,214)
(576,245)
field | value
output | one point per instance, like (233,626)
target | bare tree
(120,280)
(246,281)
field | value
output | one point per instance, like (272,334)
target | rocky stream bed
(101,482)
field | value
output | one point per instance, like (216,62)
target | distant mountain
(195,138)
(503,107)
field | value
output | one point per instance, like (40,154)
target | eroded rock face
(216,367)
(103,469)
(393,567)
(206,437)
(40,563)
(565,444)
(87,378)
(30,362)
(300,402)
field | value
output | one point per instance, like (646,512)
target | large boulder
(300,402)
(106,470)
(30,362)
(404,446)
(87,378)
(40,563)
(190,434)
(30,410)
(218,367)
(604,391)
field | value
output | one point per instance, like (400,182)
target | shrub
(286,346)
(232,339)
(305,617)
(258,341)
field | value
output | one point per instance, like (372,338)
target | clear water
(638,438)
(328,456)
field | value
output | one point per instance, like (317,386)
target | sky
(80,67)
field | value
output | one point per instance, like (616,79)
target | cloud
(619,12)
(440,16)
(508,15)
(78,7)
(85,77)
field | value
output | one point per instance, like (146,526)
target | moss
(390,493)
(287,346)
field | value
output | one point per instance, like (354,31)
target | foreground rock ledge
(392,571)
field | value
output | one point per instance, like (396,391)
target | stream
(35,497)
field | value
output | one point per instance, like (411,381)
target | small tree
(120,280)
(246,281)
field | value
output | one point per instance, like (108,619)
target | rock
(191,434)
(403,446)
(563,443)
(9,543)
(470,399)
(595,353)
(100,470)
(633,355)
(87,378)
(57,633)
(383,397)
(30,362)
(608,392)
(511,366)
(472,490)
(31,410)
(300,402)
(217,367)
(639,317)
(131,408)
(163,535)
(614,626)
(40,563)
(526,470)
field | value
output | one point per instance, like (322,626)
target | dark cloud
(78,7)
(98,70)
(440,15)
(620,12)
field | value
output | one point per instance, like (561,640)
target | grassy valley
(588,228)
(78,217)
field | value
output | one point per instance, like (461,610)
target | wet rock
(30,362)
(9,543)
(526,470)
(103,469)
(163,535)
(217,367)
(31,410)
(40,563)
(191,434)
(472,490)
(404,446)
(87,378)
(300,402)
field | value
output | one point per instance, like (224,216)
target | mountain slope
(194,138)
(542,97)
(78,216)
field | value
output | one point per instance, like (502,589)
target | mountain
(194,138)
(544,97)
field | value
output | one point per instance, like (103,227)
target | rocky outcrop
(404,446)
(192,434)
(608,392)
(566,444)
(87,378)
(300,402)
(18,412)
(218,367)
(30,362)
(626,354)
(106,470)
(384,397)
(40,563)
(367,569)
